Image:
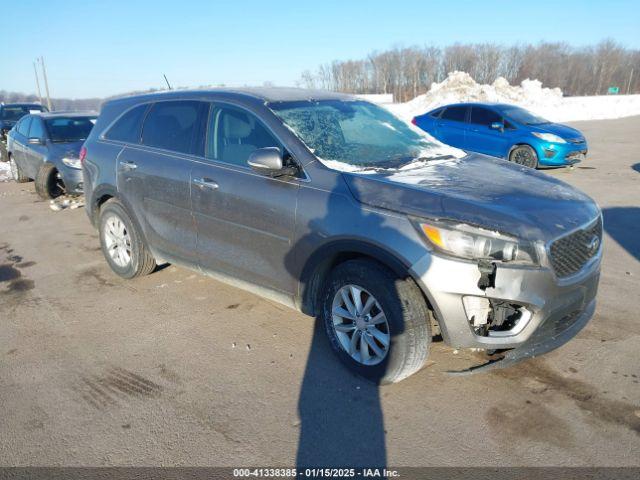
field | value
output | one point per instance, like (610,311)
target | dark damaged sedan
(333,206)
(46,148)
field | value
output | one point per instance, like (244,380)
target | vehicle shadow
(341,419)
(623,224)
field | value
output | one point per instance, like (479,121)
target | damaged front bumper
(552,310)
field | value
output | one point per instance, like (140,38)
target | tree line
(407,72)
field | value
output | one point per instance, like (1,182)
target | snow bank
(5,172)
(530,94)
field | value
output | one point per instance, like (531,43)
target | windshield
(69,129)
(16,112)
(520,115)
(357,133)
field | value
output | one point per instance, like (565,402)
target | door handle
(203,183)
(128,165)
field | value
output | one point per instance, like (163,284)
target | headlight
(549,137)
(72,162)
(475,243)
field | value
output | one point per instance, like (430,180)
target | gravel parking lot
(178,369)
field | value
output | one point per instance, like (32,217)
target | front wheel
(49,184)
(377,324)
(122,244)
(524,155)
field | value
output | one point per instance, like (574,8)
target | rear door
(481,137)
(245,220)
(154,176)
(452,125)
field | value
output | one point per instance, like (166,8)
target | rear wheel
(524,155)
(377,324)
(122,244)
(49,183)
(16,171)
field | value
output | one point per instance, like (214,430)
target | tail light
(413,120)
(83,154)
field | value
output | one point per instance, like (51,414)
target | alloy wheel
(524,157)
(117,241)
(360,325)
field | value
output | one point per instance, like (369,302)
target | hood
(66,149)
(563,131)
(479,190)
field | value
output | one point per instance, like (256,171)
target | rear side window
(175,126)
(456,114)
(129,126)
(437,113)
(484,116)
(37,129)
(23,126)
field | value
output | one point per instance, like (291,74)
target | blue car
(505,131)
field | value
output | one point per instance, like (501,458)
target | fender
(319,263)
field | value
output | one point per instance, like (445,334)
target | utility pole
(35,70)
(629,83)
(46,83)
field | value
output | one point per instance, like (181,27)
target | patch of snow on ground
(530,94)
(5,172)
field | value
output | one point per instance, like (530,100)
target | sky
(101,48)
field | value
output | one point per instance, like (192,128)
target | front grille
(576,140)
(571,252)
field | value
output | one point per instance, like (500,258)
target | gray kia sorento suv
(333,206)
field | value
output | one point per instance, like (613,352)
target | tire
(128,257)
(16,171)
(48,182)
(407,321)
(524,155)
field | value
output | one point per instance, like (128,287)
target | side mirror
(497,126)
(268,161)
(36,141)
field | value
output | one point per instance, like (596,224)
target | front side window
(357,133)
(128,127)
(23,126)
(69,129)
(174,125)
(234,134)
(457,114)
(37,129)
(484,116)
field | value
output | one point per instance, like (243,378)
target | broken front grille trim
(569,254)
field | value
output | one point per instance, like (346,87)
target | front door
(245,220)
(34,154)
(484,139)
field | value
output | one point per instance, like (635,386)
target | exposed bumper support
(536,345)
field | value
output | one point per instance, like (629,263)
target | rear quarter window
(128,127)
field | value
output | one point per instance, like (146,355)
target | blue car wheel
(524,155)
